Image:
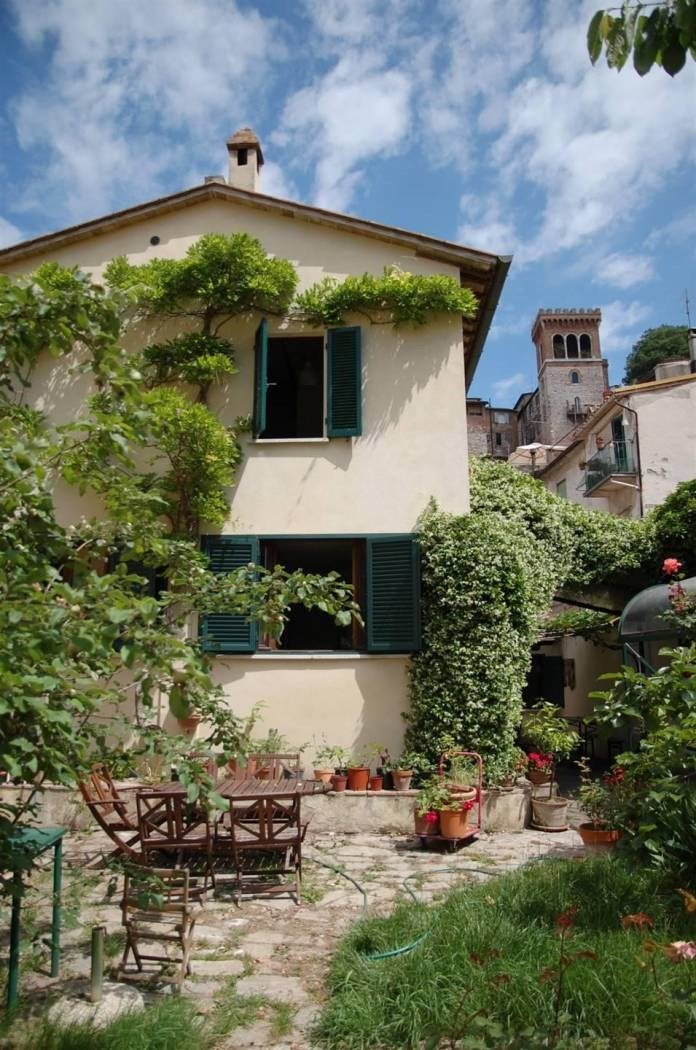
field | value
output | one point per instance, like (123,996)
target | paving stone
(116,1000)
(217,967)
(259,1034)
(274,987)
(200,989)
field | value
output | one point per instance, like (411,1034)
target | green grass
(485,952)
(282,1018)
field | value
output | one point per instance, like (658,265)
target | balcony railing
(606,464)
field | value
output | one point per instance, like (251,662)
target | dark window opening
(585,346)
(498,438)
(242,157)
(558,346)
(572,345)
(575,377)
(295,388)
(312,629)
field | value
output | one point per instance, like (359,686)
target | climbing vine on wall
(397,297)
(487,579)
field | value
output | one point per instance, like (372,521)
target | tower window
(242,157)
(572,345)
(558,346)
(585,345)
(575,377)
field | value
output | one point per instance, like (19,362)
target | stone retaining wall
(346,812)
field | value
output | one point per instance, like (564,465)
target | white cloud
(131,91)
(503,387)
(9,233)
(622,323)
(623,270)
(275,182)
(347,117)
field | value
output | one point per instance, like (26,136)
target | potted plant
(384,769)
(539,767)
(327,759)
(376,782)
(408,764)
(358,772)
(454,815)
(600,799)
(432,796)
(519,767)
(461,777)
(550,734)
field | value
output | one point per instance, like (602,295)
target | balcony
(611,469)
(576,411)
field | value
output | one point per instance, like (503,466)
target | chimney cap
(245,138)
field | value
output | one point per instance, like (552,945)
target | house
(377,428)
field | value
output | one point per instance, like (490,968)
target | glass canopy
(642,619)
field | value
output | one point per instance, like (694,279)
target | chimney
(669,369)
(246,160)
(692,350)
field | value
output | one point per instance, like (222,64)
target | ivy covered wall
(488,576)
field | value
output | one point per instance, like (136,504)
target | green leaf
(594,37)
(673,56)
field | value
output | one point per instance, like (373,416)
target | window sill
(311,656)
(290,441)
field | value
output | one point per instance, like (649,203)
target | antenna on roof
(686,307)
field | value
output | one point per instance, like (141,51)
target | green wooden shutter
(260,377)
(393,594)
(222,632)
(344,382)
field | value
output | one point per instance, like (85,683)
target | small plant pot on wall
(358,778)
(550,814)
(597,838)
(376,783)
(537,777)
(402,779)
(324,775)
(338,781)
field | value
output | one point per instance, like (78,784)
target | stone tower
(572,374)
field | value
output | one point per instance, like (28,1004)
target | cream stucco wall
(413,446)
(667,429)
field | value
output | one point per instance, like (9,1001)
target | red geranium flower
(566,919)
(671,566)
(640,921)
(431,817)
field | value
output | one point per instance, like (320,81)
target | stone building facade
(491,431)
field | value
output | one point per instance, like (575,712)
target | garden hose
(406,948)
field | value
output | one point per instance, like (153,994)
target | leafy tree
(675,526)
(666,36)
(655,345)
(88,648)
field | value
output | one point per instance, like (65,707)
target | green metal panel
(393,594)
(260,377)
(344,383)
(225,632)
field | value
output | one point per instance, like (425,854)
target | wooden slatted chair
(273,766)
(112,812)
(169,825)
(158,906)
(264,838)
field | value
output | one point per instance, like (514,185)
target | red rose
(671,566)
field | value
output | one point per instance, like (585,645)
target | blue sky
(475,120)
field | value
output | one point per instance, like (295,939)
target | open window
(385,574)
(302,383)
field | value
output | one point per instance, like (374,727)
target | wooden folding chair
(169,825)
(157,907)
(273,766)
(265,839)
(111,812)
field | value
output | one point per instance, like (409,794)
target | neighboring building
(634,449)
(312,493)
(491,431)
(572,381)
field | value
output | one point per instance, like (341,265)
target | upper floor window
(559,346)
(575,377)
(585,345)
(302,383)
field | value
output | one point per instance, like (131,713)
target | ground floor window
(384,571)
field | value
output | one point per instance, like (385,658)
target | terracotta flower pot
(264,773)
(454,823)
(538,777)
(376,783)
(402,779)
(338,781)
(424,826)
(550,813)
(358,778)
(324,775)
(190,723)
(598,838)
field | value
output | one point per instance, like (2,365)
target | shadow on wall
(354,704)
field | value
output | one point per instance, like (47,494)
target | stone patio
(273,948)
